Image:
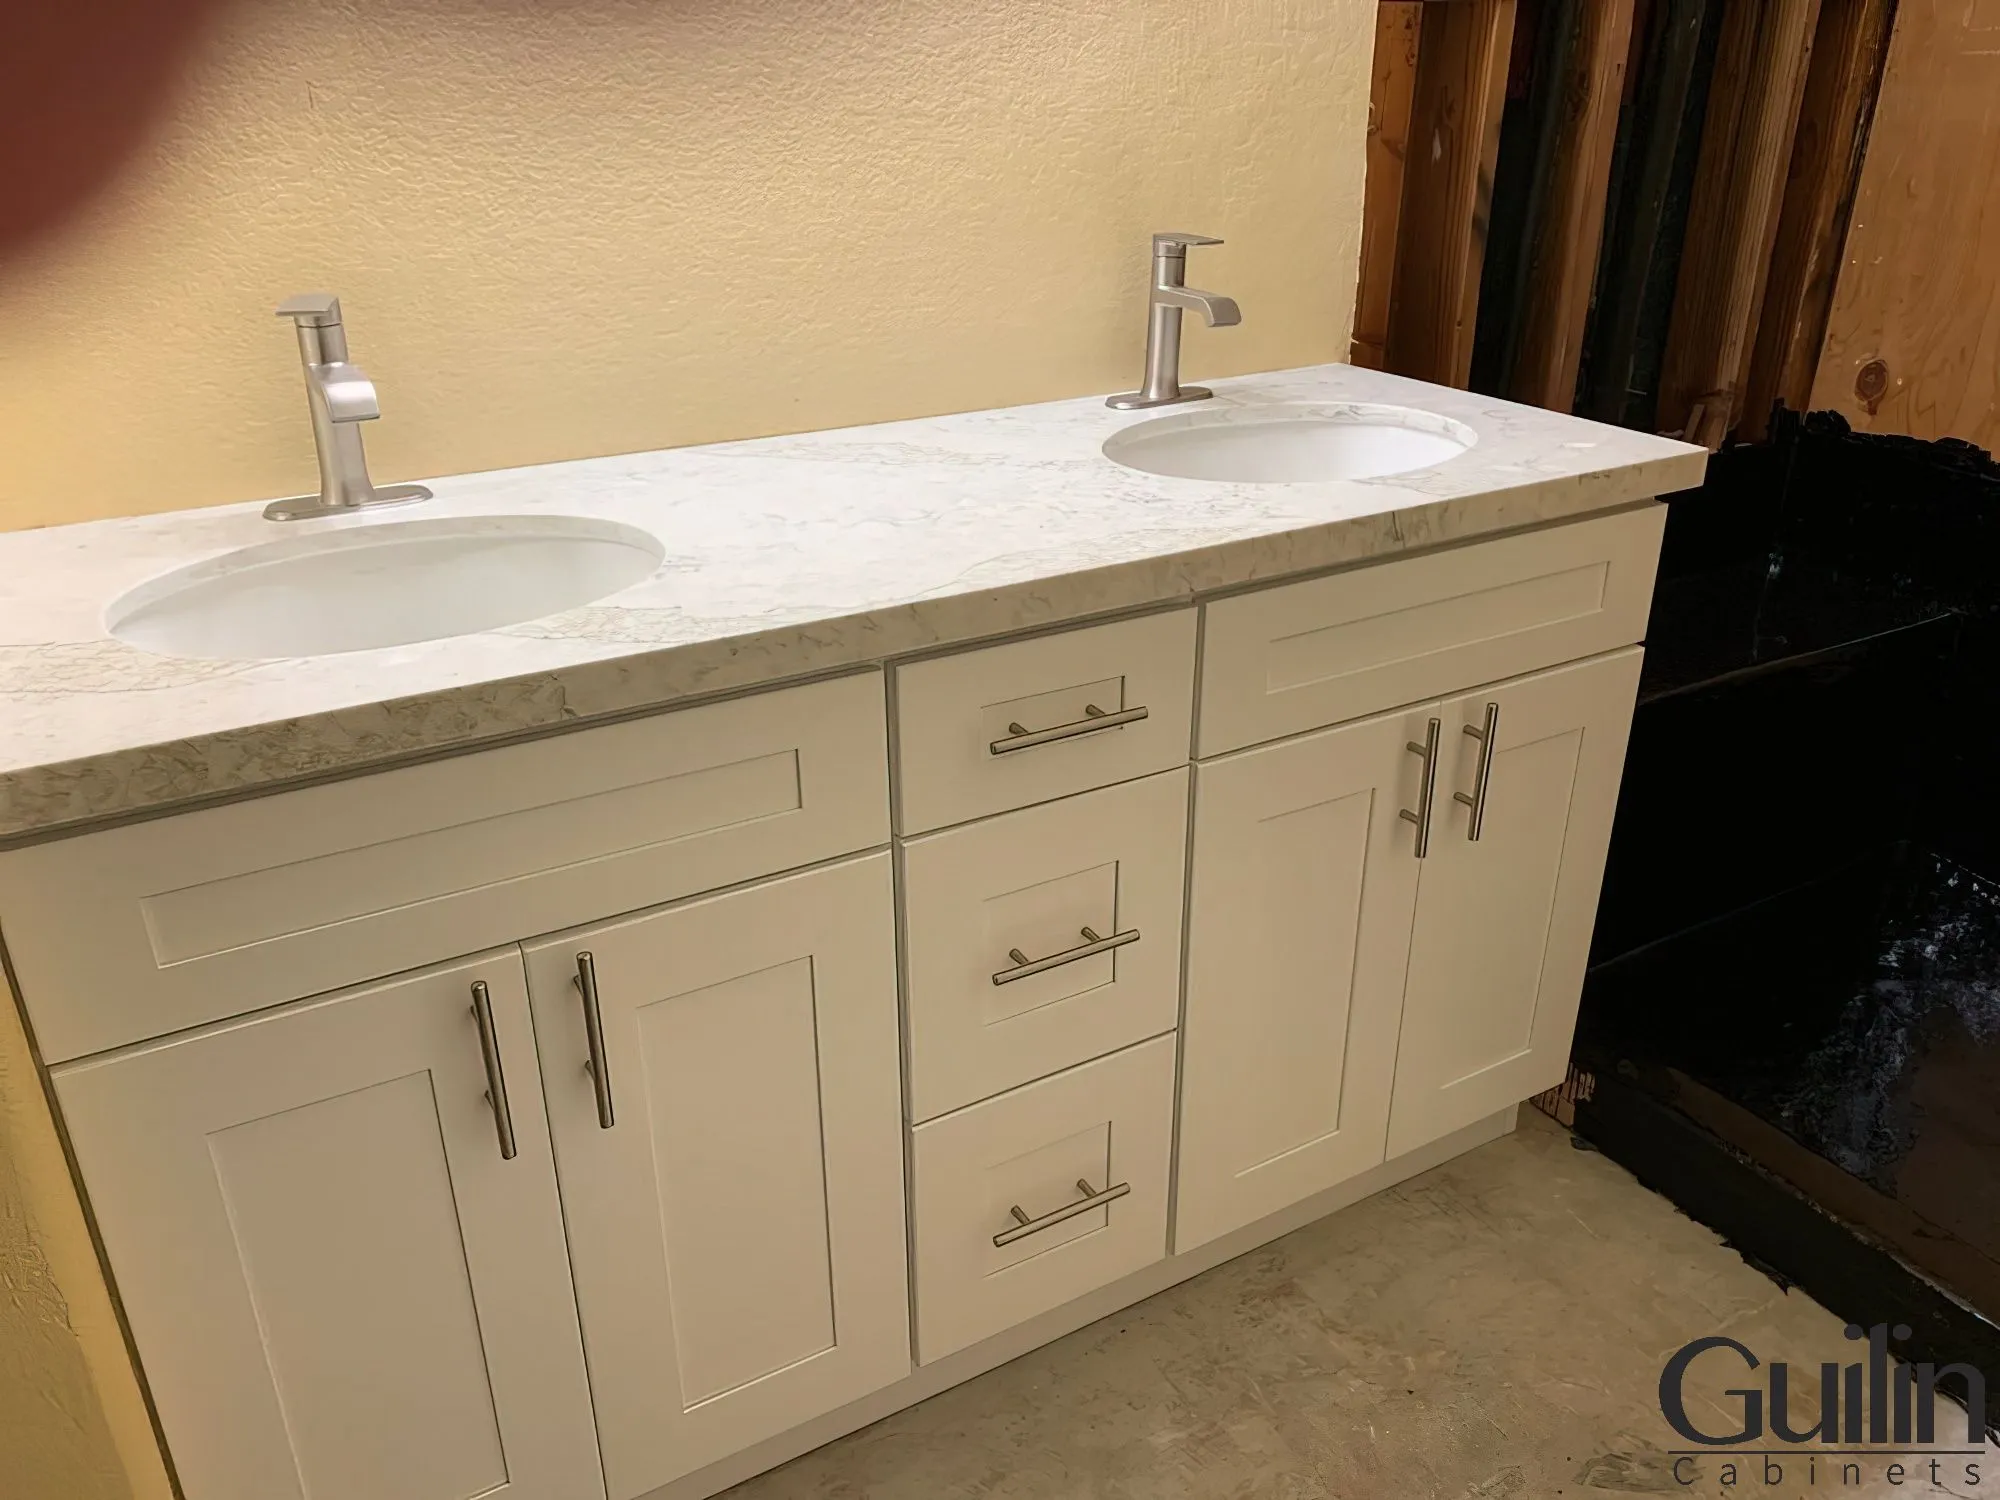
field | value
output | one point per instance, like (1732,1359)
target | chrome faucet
(340,397)
(1171,295)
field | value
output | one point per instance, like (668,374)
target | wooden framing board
(1753,109)
(1651,182)
(1461,81)
(1392,91)
(1846,68)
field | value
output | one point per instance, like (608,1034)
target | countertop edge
(66,798)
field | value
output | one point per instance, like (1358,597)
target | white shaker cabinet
(1327,961)
(1299,930)
(338,1285)
(735,1208)
(1503,922)
(1138,1030)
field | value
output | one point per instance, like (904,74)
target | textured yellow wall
(73,1425)
(573,227)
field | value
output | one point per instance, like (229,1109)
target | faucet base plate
(1140,401)
(310,507)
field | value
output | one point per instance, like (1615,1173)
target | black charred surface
(1798,949)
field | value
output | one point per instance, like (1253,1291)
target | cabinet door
(1503,923)
(1299,925)
(736,1220)
(338,1287)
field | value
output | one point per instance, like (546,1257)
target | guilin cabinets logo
(1757,1425)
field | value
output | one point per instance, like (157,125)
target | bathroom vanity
(611,1055)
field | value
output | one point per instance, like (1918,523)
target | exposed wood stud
(1563,261)
(1447,189)
(1753,109)
(1827,149)
(1398,27)
(1666,78)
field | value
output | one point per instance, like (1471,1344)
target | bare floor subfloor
(1493,1328)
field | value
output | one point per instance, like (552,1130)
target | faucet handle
(1174,240)
(312,309)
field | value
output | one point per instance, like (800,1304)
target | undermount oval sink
(1290,444)
(388,584)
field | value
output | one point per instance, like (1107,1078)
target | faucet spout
(1216,310)
(346,393)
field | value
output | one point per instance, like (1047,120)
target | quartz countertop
(785,556)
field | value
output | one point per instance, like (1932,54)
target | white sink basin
(1290,444)
(387,584)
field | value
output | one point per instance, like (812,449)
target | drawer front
(1310,654)
(1088,891)
(137,931)
(1107,1124)
(955,718)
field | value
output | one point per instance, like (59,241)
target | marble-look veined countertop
(784,556)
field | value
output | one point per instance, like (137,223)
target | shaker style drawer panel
(1042,938)
(137,931)
(1068,1175)
(1305,655)
(1034,720)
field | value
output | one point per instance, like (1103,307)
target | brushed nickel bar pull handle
(593,1033)
(1025,1226)
(1094,719)
(496,1080)
(1090,947)
(1487,738)
(1422,816)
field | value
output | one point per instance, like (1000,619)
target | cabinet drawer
(1331,649)
(956,715)
(1107,1124)
(1069,878)
(137,931)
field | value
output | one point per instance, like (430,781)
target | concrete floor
(1493,1328)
